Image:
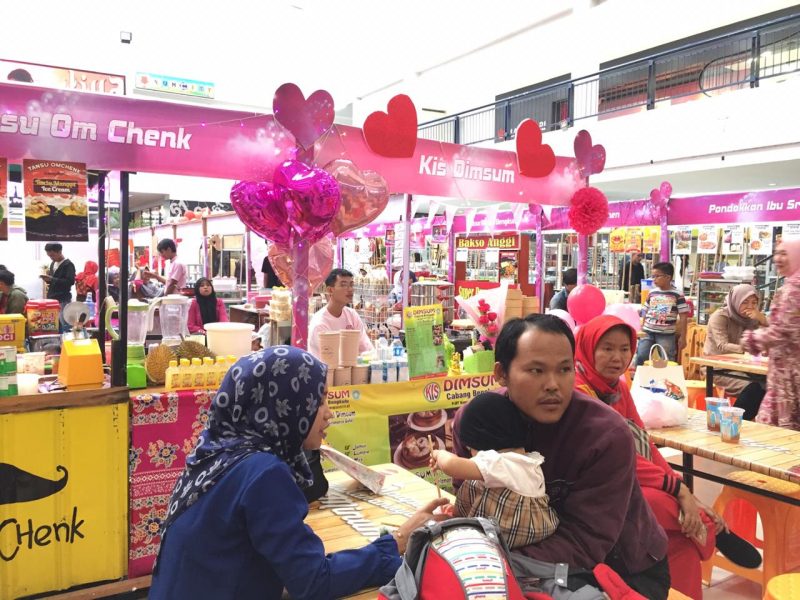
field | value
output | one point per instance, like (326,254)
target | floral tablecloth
(165,427)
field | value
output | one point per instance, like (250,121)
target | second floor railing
(724,63)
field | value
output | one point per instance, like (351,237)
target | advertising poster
(377,424)
(651,240)
(3,199)
(389,240)
(760,243)
(707,239)
(732,239)
(56,209)
(425,340)
(682,241)
(616,240)
(508,265)
(633,239)
(791,231)
(439,234)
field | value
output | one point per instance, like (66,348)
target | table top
(765,449)
(734,362)
(403,492)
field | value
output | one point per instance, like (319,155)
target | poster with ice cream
(760,243)
(707,239)
(56,209)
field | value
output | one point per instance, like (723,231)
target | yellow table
(739,366)
(765,449)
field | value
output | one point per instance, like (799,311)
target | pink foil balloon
(666,190)
(311,197)
(261,209)
(591,159)
(627,313)
(320,263)
(365,195)
(307,119)
(585,303)
(564,316)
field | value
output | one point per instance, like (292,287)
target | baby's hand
(440,459)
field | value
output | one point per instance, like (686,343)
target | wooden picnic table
(765,449)
(739,366)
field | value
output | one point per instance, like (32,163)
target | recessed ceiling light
(772,184)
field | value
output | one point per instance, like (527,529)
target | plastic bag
(657,409)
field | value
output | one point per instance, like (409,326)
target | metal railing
(728,62)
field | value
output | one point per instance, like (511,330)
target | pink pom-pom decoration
(588,210)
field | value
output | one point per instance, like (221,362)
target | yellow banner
(63,498)
(651,241)
(381,423)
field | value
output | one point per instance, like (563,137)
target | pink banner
(113,133)
(753,207)
(620,214)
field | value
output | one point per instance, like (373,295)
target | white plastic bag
(658,410)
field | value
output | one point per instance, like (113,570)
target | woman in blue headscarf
(234,528)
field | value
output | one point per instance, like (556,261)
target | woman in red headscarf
(604,349)
(86,282)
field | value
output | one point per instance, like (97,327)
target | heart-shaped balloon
(320,263)
(657,199)
(311,197)
(393,133)
(591,159)
(260,208)
(306,119)
(666,189)
(535,158)
(365,195)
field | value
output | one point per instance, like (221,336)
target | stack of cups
(730,423)
(8,371)
(360,375)
(329,348)
(342,376)
(348,347)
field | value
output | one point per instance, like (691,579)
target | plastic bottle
(397,348)
(186,380)
(173,376)
(383,347)
(210,373)
(198,374)
(221,368)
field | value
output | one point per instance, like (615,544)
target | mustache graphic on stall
(17,485)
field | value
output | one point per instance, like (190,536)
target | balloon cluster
(660,197)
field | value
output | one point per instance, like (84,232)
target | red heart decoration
(307,119)
(591,159)
(393,133)
(535,158)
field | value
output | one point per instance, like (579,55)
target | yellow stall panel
(63,498)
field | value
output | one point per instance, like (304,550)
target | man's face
(342,290)
(53,255)
(569,287)
(4,288)
(541,376)
(166,253)
(637,258)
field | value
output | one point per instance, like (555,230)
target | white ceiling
(249,47)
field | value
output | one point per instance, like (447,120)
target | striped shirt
(662,310)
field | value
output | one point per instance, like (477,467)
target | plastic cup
(713,417)
(348,347)
(329,348)
(730,423)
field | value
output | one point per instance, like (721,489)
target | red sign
(467,289)
(485,242)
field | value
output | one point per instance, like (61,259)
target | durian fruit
(157,362)
(191,350)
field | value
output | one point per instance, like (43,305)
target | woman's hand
(756,315)
(417,520)
(719,522)
(692,525)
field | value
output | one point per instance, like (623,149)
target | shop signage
(425,340)
(376,424)
(62,78)
(500,242)
(174,85)
(56,209)
(3,199)
(467,289)
(773,206)
(70,507)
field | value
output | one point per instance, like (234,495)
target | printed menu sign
(425,340)
(55,201)
(791,231)
(760,240)
(707,239)
(651,241)
(3,199)
(682,241)
(732,239)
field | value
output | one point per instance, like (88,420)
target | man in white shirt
(336,315)
(176,280)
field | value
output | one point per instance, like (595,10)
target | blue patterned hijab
(267,402)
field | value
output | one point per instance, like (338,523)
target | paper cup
(730,423)
(348,347)
(713,416)
(329,378)
(360,375)
(329,348)
(342,376)
(28,383)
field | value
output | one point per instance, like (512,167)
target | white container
(28,384)
(229,338)
(31,362)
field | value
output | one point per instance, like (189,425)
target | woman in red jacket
(604,349)
(205,307)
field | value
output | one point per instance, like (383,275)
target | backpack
(465,558)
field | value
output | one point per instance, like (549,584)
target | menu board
(425,340)
(707,239)
(732,239)
(760,240)
(791,231)
(3,199)
(682,241)
(56,209)
(651,240)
